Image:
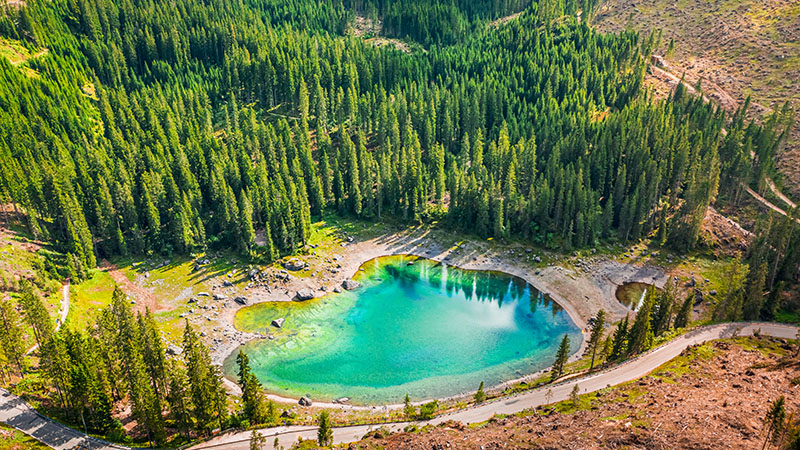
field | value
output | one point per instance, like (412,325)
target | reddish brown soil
(144,298)
(712,402)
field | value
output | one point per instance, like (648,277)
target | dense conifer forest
(176,126)
(161,127)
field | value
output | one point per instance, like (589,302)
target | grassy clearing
(87,299)
(12,439)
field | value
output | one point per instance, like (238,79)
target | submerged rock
(304,294)
(277,323)
(350,284)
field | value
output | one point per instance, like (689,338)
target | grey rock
(350,284)
(241,300)
(295,264)
(304,401)
(337,289)
(202,294)
(219,297)
(304,294)
(278,323)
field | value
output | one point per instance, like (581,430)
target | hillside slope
(713,396)
(746,47)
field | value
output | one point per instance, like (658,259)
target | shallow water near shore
(414,326)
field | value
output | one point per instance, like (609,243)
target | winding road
(62,317)
(17,413)
(624,372)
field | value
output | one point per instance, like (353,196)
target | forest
(172,127)
(145,130)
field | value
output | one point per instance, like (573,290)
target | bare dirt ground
(723,235)
(742,47)
(144,298)
(715,397)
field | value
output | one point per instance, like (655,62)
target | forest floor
(712,396)
(742,47)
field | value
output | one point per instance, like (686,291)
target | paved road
(630,370)
(18,414)
(63,311)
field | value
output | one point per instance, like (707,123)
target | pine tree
(754,298)
(561,359)
(640,337)
(325,431)
(205,385)
(11,335)
(684,315)
(774,421)
(408,409)
(620,342)
(480,396)
(595,339)
(35,313)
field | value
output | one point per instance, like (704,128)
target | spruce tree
(640,337)
(561,359)
(325,430)
(684,315)
(596,337)
(11,335)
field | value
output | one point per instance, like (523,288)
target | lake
(414,326)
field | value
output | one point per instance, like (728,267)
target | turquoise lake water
(414,326)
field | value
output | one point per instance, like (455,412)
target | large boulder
(350,284)
(295,264)
(241,300)
(277,323)
(305,401)
(304,294)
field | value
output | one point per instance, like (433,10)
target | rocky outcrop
(304,294)
(350,284)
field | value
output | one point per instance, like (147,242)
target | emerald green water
(425,328)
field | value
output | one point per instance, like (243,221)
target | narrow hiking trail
(62,314)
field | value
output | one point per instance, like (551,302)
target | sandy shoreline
(581,290)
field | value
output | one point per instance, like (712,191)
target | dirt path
(730,105)
(63,312)
(780,194)
(630,370)
(767,203)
